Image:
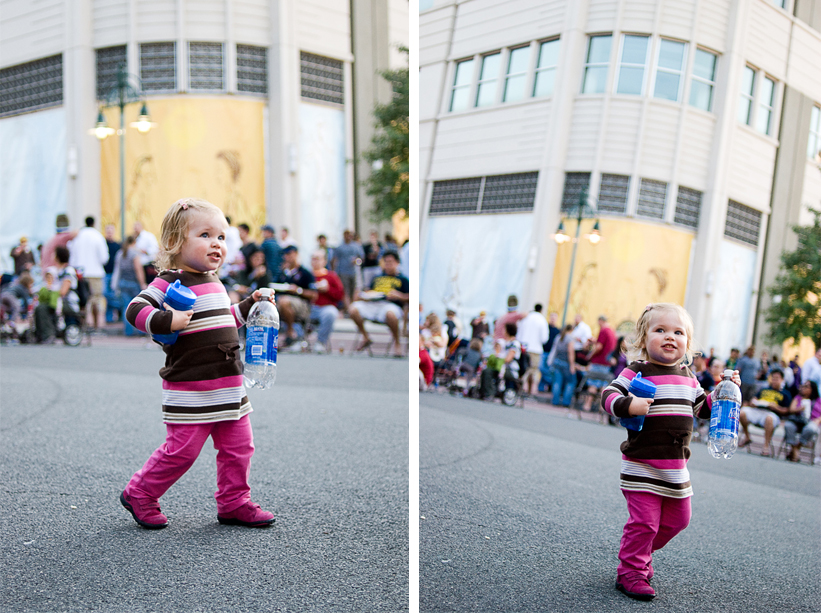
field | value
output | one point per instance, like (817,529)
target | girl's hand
(180,319)
(257,296)
(736,378)
(639,406)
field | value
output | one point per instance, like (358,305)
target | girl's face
(666,341)
(204,248)
(805,390)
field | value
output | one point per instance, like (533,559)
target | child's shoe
(250,514)
(635,586)
(145,511)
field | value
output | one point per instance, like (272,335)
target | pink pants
(234,443)
(654,521)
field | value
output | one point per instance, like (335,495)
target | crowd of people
(86,271)
(563,365)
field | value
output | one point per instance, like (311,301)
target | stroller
(508,390)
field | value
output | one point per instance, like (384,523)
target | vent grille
(158,67)
(613,194)
(109,60)
(743,223)
(252,69)
(322,78)
(457,196)
(513,193)
(205,66)
(688,207)
(574,182)
(31,86)
(652,195)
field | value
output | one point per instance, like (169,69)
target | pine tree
(796,293)
(390,148)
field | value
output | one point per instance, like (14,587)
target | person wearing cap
(599,374)
(295,302)
(61,239)
(22,256)
(272,250)
(391,294)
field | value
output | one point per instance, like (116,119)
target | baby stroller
(506,389)
(448,369)
(21,332)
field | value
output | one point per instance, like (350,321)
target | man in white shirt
(146,243)
(88,255)
(581,335)
(811,369)
(533,334)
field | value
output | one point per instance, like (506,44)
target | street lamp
(562,237)
(121,94)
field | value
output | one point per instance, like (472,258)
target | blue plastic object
(179,298)
(641,388)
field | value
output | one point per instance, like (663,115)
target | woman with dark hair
(804,419)
(128,278)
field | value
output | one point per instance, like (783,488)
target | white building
(259,105)
(693,124)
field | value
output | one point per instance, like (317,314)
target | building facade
(260,106)
(691,125)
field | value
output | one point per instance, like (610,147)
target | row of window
(516,193)
(814,144)
(39,84)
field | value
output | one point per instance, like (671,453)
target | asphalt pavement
(331,463)
(520,510)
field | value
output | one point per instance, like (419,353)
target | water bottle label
(260,345)
(724,416)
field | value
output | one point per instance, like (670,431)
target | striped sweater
(202,376)
(654,460)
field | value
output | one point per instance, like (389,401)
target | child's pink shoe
(635,586)
(145,511)
(249,514)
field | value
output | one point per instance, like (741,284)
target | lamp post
(121,94)
(561,237)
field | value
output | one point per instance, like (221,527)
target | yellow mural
(634,264)
(209,148)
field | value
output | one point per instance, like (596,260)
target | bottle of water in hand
(261,335)
(641,388)
(723,438)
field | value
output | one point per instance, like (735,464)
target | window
(460,98)
(322,78)
(109,60)
(745,101)
(814,144)
(688,207)
(595,67)
(252,69)
(424,5)
(517,66)
(703,81)
(631,65)
(766,97)
(652,195)
(205,66)
(514,193)
(669,69)
(486,91)
(743,223)
(31,86)
(574,183)
(613,194)
(546,68)
(158,67)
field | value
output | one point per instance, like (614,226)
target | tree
(796,293)
(389,151)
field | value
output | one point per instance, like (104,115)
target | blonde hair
(637,348)
(175,228)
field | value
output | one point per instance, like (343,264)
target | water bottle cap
(639,385)
(266,292)
(728,373)
(180,297)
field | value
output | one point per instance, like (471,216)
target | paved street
(521,511)
(331,462)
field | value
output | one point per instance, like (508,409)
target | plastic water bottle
(640,388)
(261,335)
(179,298)
(723,439)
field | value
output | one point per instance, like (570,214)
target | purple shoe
(145,511)
(635,586)
(249,514)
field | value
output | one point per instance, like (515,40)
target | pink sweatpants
(654,521)
(234,442)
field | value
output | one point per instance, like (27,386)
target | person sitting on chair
(295,302)
(385,303)
(330,292)
(769,406)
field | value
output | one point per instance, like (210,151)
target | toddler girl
(654,477)
(203,393)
